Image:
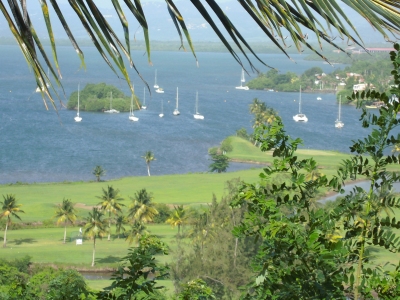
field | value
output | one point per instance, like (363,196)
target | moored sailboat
(197,115)
(338,122)
(242,80)
(111,110)
(78,118)
(300,117)
(131,115)
(176,111)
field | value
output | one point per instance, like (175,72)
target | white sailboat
(176,111)
(131,115)
(160,91)
(241,87)
(338,122)
(197,115)
(300,117)
(78,118)
(111,110)
(155,81)
(319,98)
(39,89)
(144,99)
(162,109)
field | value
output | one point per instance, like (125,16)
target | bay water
(39,145)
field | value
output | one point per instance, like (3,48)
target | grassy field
(39,200)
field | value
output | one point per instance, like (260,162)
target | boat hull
(246,88)
(300,118)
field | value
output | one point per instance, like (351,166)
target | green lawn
(39,200)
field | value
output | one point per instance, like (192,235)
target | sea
(46,145)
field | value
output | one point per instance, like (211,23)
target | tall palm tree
(95,227)
(148,158)
(9,208)
(110,204)
(142,209)
(138,229)
(98,171)
(120,221)
(65,213)
(178,218)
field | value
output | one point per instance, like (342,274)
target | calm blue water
(37,145)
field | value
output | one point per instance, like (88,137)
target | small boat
(78,118)
(131,115)
(162,109)
(155,81)
(176,111)
(338,122)
(111,110)
(377,104)
(197,115)
(319,98)
(300,117)
(160,91)
(144,99)
(241,87)
(40,89)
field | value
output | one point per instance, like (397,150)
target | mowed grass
(39,200)
(45,246)
(327,161)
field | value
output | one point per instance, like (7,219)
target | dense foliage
(308,252)
(97,97)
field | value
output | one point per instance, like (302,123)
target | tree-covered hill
(96,97)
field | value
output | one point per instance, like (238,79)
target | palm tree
(138,229)
(110,204)
(142,209)
(178,218)
(120,221)
(9,209)
(65,212)
(98,171)
(95,227)
(275,18)
(148,158)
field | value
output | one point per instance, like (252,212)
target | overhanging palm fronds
(324,18)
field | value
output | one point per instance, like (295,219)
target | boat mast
(197,102)
(177,98)
(78,101)
(300,101)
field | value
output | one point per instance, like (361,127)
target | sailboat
(319,98)
(197,115)
(156,86)
(78,118)
(144,99)
(241,87)
(39,89)
(300,117)
(338,122)
(176,111)
(111,110)
(155,81)
(131,116)
(162,109)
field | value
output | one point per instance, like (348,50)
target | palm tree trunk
(5,236)
(65,231)
(109,226)
(179,229)
(235,254)
(94,250)
(148,169)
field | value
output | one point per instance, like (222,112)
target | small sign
(79,241)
